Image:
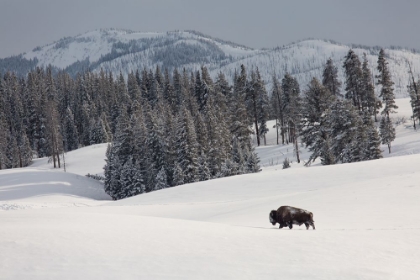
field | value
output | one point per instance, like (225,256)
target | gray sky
(25,24)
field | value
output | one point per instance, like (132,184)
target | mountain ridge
(121,50)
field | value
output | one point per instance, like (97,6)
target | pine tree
(98,133)
(161,180)
(239,121)
(178,177)
(343,121)
(353,74)
(204,173)
(316,100)
(370,102)
(292,107)
(373,141)
(387,130)
(71,141)
(414,93)
(117,156)
(253,161)
(330,79)
(238,158)
(187,146)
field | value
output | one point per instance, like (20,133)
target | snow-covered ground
(366,217)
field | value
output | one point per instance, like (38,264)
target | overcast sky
(25,24)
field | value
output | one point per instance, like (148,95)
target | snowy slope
(90,45)
(365,213)
(95,44)
(366,218)
(306,59)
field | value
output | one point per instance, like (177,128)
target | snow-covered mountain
(125,51)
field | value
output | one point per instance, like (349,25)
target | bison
(289,216)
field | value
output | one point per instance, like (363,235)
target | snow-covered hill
(124,51)
(57,225)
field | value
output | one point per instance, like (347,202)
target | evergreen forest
(168,128)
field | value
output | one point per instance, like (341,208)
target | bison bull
(289,216)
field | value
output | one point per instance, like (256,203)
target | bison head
(272,217)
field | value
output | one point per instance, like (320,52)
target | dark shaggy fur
(289,216)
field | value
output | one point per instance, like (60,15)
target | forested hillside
(171,128)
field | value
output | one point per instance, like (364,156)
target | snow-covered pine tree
(316,100)
(353,74)
(206,88)
(157,144)
(161,180)
(215,128)
(118,154)
(178,175)
(241,166)
(71,141)
(343,120)
(253,162)
(414,93)
(373,141)
(292,108)
(387,130)
(32,106)
(3,143)
(204,173)
(187,146)
(330,79)
(12,152)
(239,122)
(98,133)
(142,157)
(370,102)
(169,91)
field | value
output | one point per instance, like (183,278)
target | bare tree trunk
(256,120)
(415,92)
(20,158)
(58,157)
(297,149)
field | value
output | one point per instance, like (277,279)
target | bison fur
(288,216)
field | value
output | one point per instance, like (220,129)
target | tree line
(337,127)
(165,129)
(168,129)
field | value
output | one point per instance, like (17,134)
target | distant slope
(27,188)
(124,51)
(306,59)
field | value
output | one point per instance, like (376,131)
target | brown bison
(289,216)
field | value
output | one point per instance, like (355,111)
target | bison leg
(290,225)
(307,226)
(313,225)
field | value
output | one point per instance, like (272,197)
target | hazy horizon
(26,24)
